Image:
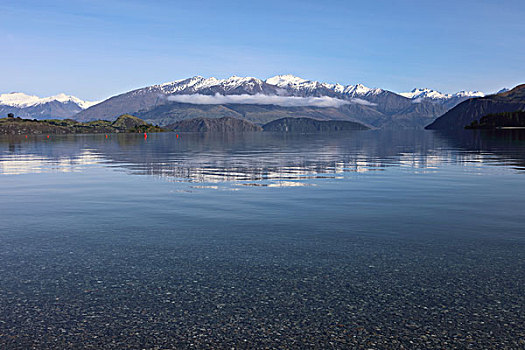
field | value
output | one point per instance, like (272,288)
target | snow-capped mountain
(29,106)
(436,95)
(469,94)
(298,84)
(283,85)
(448,100)
(19,99)
(425,93)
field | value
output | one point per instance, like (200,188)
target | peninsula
(124,124)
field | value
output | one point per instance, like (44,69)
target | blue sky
(95,49)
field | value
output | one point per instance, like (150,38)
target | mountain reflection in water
(208,158)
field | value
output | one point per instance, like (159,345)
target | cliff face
(217,125)
(468,111)
(307,125)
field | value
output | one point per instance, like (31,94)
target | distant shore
(124,124)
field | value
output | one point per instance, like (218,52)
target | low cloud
(260,99)
(363,102)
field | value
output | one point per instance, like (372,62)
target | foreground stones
(347,293)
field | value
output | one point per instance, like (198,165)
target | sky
(96,49)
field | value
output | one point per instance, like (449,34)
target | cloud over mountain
(261,99)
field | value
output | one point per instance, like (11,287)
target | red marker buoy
(145,136)
(177,135)
(26,136)
(47,136)
(106,136)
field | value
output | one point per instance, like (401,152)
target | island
(124,124)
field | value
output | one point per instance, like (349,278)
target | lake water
(371,239)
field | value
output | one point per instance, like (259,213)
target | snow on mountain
(195,83)
(418,94)
(291,85)
(234,82)
(289,81)
(198,84)
(425,93)
(296,83)
(287,85)
(29,106)
(21,100)
(285,80)
(360,89)
(469,94)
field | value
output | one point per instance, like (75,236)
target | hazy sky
(95,49)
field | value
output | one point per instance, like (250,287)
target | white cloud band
(260,99)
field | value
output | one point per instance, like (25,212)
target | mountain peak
(419,93)
(359,89)
(240,80)
(285,80)
(16,99)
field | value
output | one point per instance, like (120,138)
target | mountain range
(255,100)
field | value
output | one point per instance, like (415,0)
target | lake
(368,239)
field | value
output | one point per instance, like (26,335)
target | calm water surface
(370,239)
